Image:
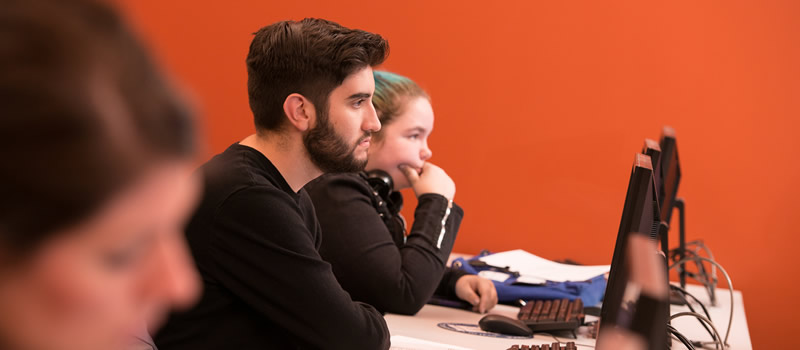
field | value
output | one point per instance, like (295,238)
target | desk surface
(740,335)
(424,325)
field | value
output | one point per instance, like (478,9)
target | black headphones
(381,182)
(389,204)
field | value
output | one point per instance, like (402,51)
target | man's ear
(299,111)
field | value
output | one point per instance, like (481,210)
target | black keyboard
(552,315)
(554,346)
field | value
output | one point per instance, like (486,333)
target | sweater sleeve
(365,258)
(447,287)
(266,256)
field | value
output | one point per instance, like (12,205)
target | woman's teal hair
(392,91)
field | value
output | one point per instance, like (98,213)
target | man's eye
(126,257)
(117,261)
(358,103)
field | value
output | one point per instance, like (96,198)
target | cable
(730,287)
(683,294)
(686,343)
(680,337)
(707,249)
(717,343)
(702,276)
(701,317)
(701,245)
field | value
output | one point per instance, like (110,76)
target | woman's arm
(447,288)
(366,260)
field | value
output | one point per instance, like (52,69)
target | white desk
(424,325)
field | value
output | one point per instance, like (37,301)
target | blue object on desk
(591,291)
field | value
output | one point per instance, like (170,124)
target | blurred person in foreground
(96,181)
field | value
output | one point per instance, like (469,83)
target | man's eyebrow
(359,96)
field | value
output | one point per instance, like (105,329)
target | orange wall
(541,106)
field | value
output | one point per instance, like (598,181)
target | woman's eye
(414,136)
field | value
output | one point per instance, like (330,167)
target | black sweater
(365,241)
(255,243)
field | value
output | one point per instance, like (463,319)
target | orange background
(541,106)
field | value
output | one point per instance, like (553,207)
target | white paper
(494,275)
(400,342)
(530,280)
(534,269)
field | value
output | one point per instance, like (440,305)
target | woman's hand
(477,291)
(432,179)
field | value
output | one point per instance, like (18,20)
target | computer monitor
(668,194)
(653,149)
(670,173)
(640,214)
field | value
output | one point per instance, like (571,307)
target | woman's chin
(401,184)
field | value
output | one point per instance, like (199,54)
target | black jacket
(364,239)
(255,242)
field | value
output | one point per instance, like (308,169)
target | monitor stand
(681,206)
(675,298)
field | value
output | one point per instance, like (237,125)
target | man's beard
(329,151)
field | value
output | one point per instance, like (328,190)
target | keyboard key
(552,315)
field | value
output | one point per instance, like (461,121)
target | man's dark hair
(311,57)
(84,113)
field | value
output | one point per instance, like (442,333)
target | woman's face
(404,141)
(98,283)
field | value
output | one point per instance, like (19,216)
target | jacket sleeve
(365,258)
(265,255)
(447,288)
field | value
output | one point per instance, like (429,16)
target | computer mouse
(504,325)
